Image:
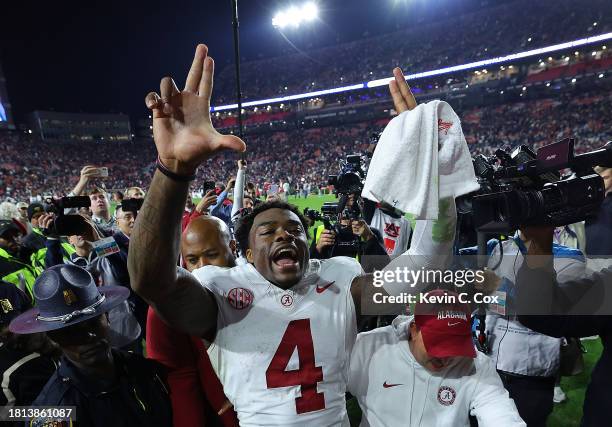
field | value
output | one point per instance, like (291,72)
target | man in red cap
(423,370)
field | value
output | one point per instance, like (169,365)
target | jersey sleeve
(347,268)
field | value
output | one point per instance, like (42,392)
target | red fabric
(445,324)
(191,377)
(187,217)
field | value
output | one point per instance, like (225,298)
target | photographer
(35,241)
(536,282)
(354,232)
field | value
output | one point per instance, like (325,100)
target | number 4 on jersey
(307,376)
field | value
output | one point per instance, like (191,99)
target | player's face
(278,247)
(417,347)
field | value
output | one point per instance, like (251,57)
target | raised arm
(239,188)
(184,138)
(86,173)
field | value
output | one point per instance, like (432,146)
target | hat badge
(6,306)
(69,297)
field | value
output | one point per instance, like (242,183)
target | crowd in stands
(450,41)
(30,167)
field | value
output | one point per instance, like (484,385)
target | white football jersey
(283,355)
(395,232)
(393,389)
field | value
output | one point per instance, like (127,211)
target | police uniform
(138,397)
(24,373)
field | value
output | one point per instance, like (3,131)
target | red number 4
(307,376)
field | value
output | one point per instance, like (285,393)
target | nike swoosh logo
(385,385)
(321,289)
(453,324)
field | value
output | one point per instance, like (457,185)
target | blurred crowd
(30,167)
(492,32)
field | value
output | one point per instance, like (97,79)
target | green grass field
(566,414)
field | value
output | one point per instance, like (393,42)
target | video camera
(66,225)
(347,244)
(132,205)
(524,188)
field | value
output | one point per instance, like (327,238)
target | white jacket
(393,389)
(515,348)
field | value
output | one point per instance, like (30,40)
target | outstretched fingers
(206,82)
(195,72)
(403,99)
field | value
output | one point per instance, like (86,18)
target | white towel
(421,156)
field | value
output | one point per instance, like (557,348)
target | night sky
(105,56)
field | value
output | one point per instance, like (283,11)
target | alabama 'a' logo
(446,395)
(240,298)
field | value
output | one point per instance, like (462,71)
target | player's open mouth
(286,259)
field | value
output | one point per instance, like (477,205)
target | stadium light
(294,16)
(446,70)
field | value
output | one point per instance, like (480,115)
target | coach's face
(278,247)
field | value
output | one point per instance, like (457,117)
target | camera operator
(599,228)
(36,240)
(537,284)
(527,361)
(367,240)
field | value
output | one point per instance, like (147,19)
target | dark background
(105,56)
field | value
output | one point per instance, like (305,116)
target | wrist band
(174,176)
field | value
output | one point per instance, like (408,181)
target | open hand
(182,129)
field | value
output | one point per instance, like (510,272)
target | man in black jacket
(108,387)
(598,229)
(26,361)
(563,310)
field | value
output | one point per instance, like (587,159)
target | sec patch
(240,298)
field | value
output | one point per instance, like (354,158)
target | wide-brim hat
(66,295)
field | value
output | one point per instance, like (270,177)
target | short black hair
(246,223)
